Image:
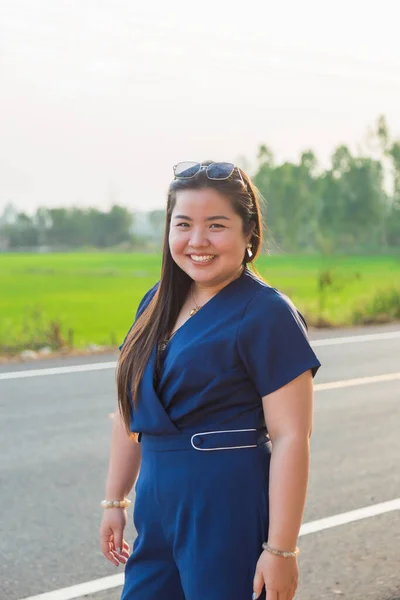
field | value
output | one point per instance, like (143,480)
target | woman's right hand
(112,543)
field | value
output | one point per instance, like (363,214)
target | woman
(215,377)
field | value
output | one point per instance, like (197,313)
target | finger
(125,547)
(124,554)
(115,550)
(110,557)
(271,595)
(120,557)
(258,584)
(107,550)
(118,539)
(107,547)
(114,559)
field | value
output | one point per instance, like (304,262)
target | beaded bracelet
(281,553)
(116,503)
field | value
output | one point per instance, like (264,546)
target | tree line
(65,227)
(353,206)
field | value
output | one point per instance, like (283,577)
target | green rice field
(95,295)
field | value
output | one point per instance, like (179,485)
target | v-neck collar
(209,303)
(190,328)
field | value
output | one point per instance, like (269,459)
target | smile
(204,258)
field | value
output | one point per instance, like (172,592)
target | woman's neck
(203,292)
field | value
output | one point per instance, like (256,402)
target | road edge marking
(353,339)
(350,517)
(82,589)
(318,387)
(333,385)
(58,370)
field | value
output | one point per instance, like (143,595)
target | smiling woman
(195,197)
(215,381)
(206,239)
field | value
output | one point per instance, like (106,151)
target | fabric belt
(204,441)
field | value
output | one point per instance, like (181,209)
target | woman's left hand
(278,575)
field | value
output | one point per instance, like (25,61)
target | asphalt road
(54,444)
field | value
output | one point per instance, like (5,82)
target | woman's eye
(185,225)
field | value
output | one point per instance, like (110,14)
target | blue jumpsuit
(201,507)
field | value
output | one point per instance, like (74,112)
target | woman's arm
(289,417)
(125,459)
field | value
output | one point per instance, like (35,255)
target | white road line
(318,387)
(107,583)
(82,589)
(58,370)
(333,385)
(350,517)
(353,339)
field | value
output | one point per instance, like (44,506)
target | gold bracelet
(281,553)
(115,503)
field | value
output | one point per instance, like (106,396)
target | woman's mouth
(202,258)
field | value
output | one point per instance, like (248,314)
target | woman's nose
(198,237)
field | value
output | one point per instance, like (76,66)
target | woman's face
(206,237)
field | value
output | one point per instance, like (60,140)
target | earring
(249,252)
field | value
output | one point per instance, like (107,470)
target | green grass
(96,294)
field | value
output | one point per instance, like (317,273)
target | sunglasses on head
(216,171)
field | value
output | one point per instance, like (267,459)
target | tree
(352,200)
(393,228)
(292,195)
(60,229)
(118,224)
(157,221)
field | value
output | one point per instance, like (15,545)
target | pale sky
(99,98)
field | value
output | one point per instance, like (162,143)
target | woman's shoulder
(270,303)
(272,339)
(262,293)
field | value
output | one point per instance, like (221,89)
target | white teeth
(205,258)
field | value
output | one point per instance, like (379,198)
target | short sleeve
(273,342)
(142,305)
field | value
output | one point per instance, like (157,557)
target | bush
(382,308)
(35,332)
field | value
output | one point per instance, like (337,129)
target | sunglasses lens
(187,169)
(221,170)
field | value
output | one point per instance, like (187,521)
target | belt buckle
(223,448)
